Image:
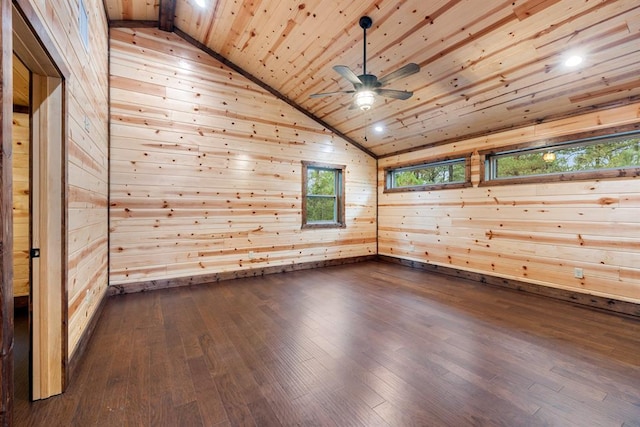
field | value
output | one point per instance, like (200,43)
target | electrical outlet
(251,255)
(577,273)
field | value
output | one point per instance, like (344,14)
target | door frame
(6,218)
(24,33)
(47,308)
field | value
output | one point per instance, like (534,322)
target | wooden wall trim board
(21,109)
(591,301)
(151,285)
(6,221)
(132,24)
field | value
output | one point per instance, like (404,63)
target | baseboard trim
(592,301)
(83,342)
(151,285)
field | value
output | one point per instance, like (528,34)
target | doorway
(46,252)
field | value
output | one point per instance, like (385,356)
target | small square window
(322,195)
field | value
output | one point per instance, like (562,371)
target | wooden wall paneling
(209,182)
(626,115)
(86,103)
(275,92)
(147,10)
(535,233)
(21,244)
(475,64)
(87,153)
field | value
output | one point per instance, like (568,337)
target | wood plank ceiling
(485,65)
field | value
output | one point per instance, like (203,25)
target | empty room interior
(320,213)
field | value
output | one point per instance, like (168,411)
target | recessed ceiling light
(201,3)
(573,60)
(378,128)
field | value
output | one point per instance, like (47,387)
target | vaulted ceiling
(485,65)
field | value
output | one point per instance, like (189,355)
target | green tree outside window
(446,172)
(323,187)
(590,155)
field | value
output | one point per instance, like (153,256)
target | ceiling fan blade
(396,94)
(320,95)
(401,72)
(346,72)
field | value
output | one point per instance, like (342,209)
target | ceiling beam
(166,15)
(270,89)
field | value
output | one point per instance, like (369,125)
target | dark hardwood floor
(359,345)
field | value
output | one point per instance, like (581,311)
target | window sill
(324,225)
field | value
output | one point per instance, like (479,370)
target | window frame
(544,145)
(340,171)
(466,158)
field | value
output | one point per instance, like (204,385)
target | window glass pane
(323,199)
(428,174)
(321,209)
(609,153)
(321,182)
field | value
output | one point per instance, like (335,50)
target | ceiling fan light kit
(367,86)
(364,99)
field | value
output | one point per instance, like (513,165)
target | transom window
(428,176)
(598,157)
(322,195)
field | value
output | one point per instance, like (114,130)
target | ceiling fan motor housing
(369,81)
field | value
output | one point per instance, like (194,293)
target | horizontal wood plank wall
(536,233)
(206,169)
(87,145)
(20,205)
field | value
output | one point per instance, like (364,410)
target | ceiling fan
(367,86)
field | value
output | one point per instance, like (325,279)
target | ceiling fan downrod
(365,24)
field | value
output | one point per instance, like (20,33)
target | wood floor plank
(364,344)
(211,408)
(188,414)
